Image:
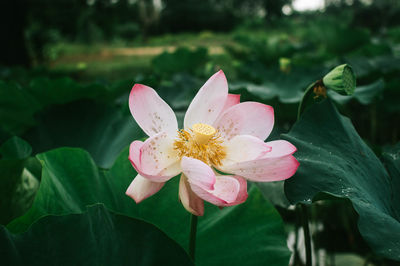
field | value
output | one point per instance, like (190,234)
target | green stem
(304,215)
(296,257)
(192,237)
(306,230)
(306,94)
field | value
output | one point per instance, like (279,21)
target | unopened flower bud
(284,64)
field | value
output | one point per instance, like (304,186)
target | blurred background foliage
(67,66)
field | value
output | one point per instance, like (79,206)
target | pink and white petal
(247,118)
(242,194)
(160,178)
(134,157)
(198,172)
(158,160)
(158,154)
(244,148)
(264,169)
(151,113)
(189,199)
(142,188)
(226,190)
(280,148)
(231,100)
(134,152)
(206,105)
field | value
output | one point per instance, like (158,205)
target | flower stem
(192,237)
(304,216)
(307,239)
(307,93)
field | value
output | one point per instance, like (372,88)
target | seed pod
(341,79)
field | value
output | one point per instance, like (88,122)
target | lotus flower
(219,133)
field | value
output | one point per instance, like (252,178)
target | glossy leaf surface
(95,237)
(71,181)
(335,160)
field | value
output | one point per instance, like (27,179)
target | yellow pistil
(203,143)
(203,133)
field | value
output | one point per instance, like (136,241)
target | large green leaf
(15,148)
(101,129)
(250,234)
(274,192)
(96,237)
(391,158)
(179,91)
(334,160)
(63,90)
(71,181)
(287,87)
(364,66)
(17,184)
(16,108)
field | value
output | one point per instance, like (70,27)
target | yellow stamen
(204,144)
(319,91)
(203,132)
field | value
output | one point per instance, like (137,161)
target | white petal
(198,172)
(226,191)
(206,105)
(151,113)
(142,188)
(243,148)
(189,199)
(264,169)
(247,118)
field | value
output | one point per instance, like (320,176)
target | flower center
(202,142)
(203,133)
